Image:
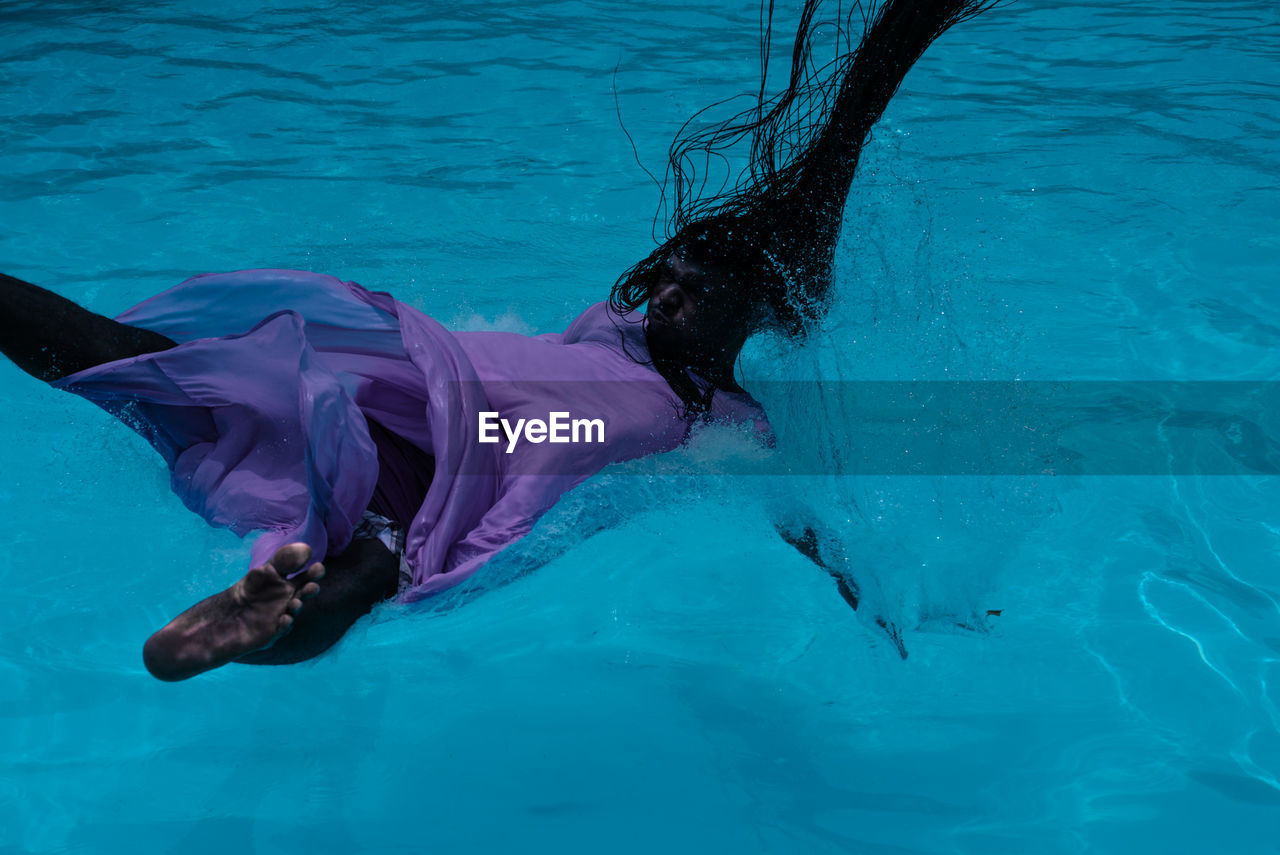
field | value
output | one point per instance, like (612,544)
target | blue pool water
(1059,192)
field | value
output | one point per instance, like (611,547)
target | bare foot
(248,616)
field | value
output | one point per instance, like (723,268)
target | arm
(823,548)
(545,533)
(805,540)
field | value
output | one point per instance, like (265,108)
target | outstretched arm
(819,545)
(806,542)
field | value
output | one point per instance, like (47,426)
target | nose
(671,300)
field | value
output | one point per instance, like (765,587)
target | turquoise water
(1079,193)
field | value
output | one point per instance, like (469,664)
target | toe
(308,590)
(295,606)
(286,621)
(259,579)
(290,558)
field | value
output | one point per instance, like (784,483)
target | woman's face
(690,310)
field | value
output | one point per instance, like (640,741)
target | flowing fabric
(263,412)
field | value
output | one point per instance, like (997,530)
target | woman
(357,432)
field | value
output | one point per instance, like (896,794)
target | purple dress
(264,409)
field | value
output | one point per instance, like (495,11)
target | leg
(249,615)
(366,572)
(49,336)
(361,576)
(260,620)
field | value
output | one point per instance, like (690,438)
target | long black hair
(776,228)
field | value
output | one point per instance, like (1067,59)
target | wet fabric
(287,388)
